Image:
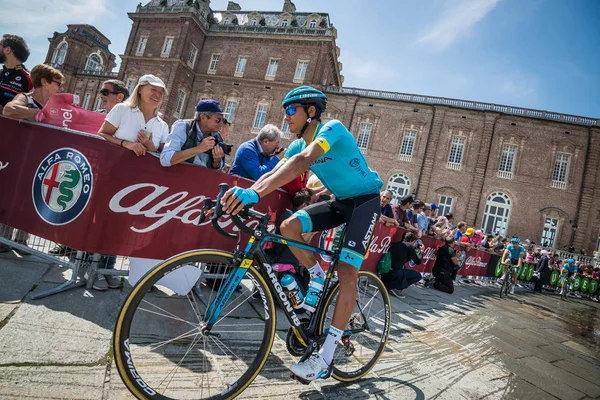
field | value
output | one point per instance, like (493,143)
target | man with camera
(197,140)
(258,156)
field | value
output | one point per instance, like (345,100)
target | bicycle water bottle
(313,293)
(293,290)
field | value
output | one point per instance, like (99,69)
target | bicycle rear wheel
(160,350)
(369,324)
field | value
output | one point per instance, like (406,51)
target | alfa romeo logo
(62,186)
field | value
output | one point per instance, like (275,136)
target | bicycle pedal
(297,378)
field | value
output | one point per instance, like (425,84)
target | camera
(221,143)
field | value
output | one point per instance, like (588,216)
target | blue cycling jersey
(343,169)
(571,269)
(515,252)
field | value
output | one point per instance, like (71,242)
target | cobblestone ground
(469,345)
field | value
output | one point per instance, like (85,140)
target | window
(98,104)
(285,128)
(561,171)
(399,185)
(166,50)
(408,145)
(230,110)
(131,82)
(76,99)
(241,66)
(507,162)
(259,118)
(214,61)
(284,23)
(192,56)
(313,24)
(272,69)
(497,211)
(549,232)
(86,101)
(180,103)
(445,205)
(93,63)
(142,46)
(61,54)
(457,148)
(301,68)
(254,22)
(364,134)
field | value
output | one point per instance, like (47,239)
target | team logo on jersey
(17,78)
(354,162)
(62,186)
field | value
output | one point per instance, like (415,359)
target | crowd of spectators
(133,121)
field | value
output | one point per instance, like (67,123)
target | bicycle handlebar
(247,212)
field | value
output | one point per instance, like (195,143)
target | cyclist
(568,271)
(513,252)
(330,151)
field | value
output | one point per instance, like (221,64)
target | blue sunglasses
(290,110)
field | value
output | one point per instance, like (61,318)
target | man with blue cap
(197,140)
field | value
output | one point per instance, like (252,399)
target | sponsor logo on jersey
(62,186)
(354,162)
(322,160)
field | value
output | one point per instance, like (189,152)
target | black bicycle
(213,341)
(506,279)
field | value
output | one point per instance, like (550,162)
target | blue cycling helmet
(306,95)
(515,240)
(570,261)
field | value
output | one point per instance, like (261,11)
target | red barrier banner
(80,191)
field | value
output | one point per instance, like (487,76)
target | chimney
(288,6)
(233,6)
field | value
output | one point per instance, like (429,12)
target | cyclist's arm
(289,170)
(271,172)
(505,255)
(520,259)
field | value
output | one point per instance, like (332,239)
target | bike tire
(371,293)
(153,344)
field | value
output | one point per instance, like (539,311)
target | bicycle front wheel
(505,284)
(366,334)
(159,346)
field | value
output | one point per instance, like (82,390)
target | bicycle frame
(254,253)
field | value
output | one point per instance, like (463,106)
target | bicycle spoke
(166,315)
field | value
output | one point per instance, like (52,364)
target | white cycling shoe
(313,368)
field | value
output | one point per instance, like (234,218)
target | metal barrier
(84,266)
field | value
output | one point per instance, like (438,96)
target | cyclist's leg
(316,217)
(361,214)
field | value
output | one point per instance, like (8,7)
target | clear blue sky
(542,54)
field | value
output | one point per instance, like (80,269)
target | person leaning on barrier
(540,270)
(258,156)
(399,278)
(399,211)
(387,214)
(444,270)
(113,92)
(47,81)
(135,124)
(14,77)
(197,140)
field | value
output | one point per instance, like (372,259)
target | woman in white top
(135,124)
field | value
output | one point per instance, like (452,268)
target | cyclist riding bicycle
(330,151)
(514,252)
(568,271)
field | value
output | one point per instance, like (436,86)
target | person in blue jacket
(258,156)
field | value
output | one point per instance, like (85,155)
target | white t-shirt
(129,121)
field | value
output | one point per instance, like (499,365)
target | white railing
(559,185)
(98,73)
(505,174)
(523,112)
(588,260)
(405,157)
(454,166)
(276,30)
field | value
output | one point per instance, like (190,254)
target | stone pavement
(469,345)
